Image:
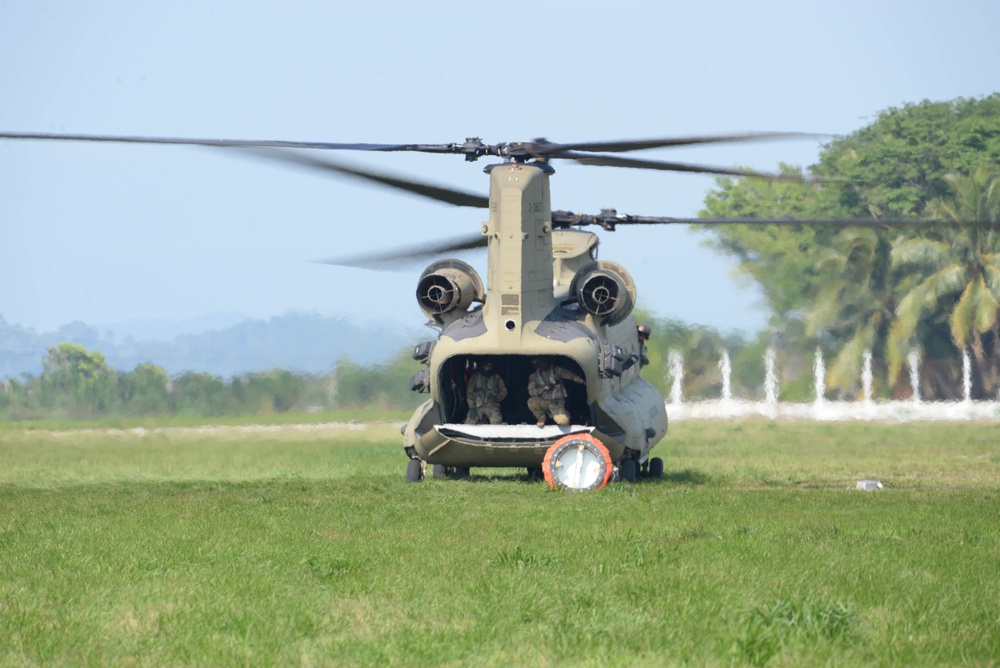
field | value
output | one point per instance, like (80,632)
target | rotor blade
(430,191)
(642,144)
(664,166)
(610,218)
(883,223)
(236,143)
(398,258)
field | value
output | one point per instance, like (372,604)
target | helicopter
(548,303)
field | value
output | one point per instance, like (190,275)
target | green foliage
(386,385)
(954,275)
(701,348)
(145,391)
(848,286)
(76,381)
(78,384)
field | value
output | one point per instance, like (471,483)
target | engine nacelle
(448,286)
(604,289)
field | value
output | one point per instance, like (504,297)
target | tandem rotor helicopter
(553,322)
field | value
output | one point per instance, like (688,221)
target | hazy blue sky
(115,233)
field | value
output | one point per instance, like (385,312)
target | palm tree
(855,305)
(958,279)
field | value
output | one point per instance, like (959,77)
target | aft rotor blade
(235,143)
(883,223)
(610,218)
(396,259)
(626,145)
(428,190)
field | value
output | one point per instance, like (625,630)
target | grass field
(306,547)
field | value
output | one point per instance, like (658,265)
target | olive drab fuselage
(545,296)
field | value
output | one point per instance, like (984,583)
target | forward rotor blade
(428,190)
(626,145)
(234,143)
(665,166)
(398,258)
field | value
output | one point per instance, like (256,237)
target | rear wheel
(414,471)
(628,470)
(656,468)
(439,471)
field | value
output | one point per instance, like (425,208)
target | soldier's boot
(561,419)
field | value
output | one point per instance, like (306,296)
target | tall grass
(298,547)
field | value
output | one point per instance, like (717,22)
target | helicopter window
(514,370)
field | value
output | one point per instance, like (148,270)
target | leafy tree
(701,350)
(854,307)
(76,381)
(845,284)
(387,386)
(200,394)
(16,401)
(276,391)
(145,391)
(958,276)
(781,259)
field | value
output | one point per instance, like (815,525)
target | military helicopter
(548,303)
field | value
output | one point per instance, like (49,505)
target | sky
(126,237)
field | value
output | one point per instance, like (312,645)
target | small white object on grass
(869,485)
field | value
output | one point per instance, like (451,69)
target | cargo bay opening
(514,370)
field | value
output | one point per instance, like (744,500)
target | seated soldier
(485,392)
(547,393)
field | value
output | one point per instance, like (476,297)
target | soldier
(643,332)
(548,396)
(485,392)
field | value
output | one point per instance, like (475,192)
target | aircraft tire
(656,468)
(414,472)
(628,470)
(440,471)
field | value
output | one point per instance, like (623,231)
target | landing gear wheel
(627,470)
(655,468)
(439,471)
(414,471)
(577,463)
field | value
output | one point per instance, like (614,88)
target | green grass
(305,547)
(366,414)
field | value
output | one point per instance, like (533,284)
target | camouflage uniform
(484,394)
(643,333)
(553,400)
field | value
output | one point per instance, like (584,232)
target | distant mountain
(294,341)
(168,330)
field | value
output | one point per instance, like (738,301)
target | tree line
(888,290)
(77,383)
